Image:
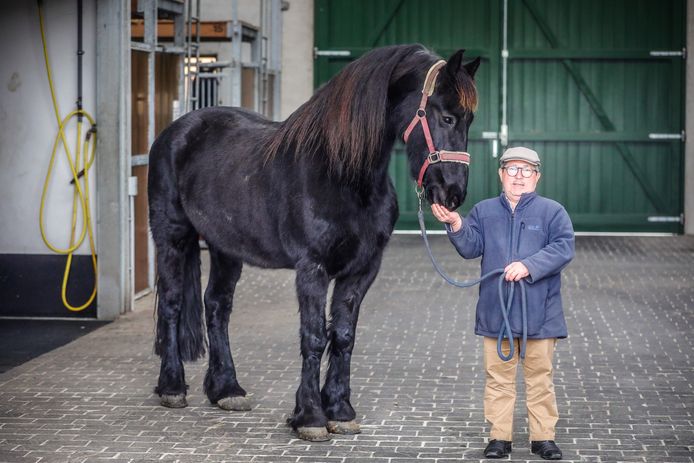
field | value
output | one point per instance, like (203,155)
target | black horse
(311,193)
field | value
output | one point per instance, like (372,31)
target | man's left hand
(515,271)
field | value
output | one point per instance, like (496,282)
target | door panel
(586,91)
(591,85)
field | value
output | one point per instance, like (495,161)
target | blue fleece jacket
(540,235)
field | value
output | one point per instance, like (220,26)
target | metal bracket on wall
(343,53)
(668,136)
(669,53)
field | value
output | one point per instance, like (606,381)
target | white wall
(297,55)
(27,120)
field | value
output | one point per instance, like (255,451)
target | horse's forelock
(467,92)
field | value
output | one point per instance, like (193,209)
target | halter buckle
(434,157)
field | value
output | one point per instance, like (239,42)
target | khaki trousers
(500,388)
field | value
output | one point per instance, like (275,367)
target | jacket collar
(526,198)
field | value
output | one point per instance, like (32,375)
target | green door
(595,87)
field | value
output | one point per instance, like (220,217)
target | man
(532,239)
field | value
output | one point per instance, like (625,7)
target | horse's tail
(178,256)
(191,327)
(191,338)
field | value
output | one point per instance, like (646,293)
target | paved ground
(624,377)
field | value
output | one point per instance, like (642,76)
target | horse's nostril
(452,202)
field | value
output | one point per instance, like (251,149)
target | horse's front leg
(312,286)
(344,313)
(221,385)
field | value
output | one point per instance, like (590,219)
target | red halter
(421,117)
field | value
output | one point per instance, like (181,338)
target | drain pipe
(503,136)
(80,53)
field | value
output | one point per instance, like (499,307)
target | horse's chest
(356,245)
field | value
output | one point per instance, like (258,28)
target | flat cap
(520,153)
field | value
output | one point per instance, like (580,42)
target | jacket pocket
(531,238)
(537,293)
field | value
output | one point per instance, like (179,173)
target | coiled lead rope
(505,332)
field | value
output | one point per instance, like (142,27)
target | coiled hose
(79,167)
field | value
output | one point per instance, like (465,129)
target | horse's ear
(472,66)
(454,63)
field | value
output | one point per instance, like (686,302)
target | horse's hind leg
(308,418)
(221,385)
(344,312)
(179,311)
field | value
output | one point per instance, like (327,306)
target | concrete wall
(297,55)
(689,126)
(27,122)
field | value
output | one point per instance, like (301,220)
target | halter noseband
(421,117)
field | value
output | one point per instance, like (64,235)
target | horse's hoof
(313,433)
(174,401)
(237,403)
(344,427)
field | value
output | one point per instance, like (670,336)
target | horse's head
(437,135)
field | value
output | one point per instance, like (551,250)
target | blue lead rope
(505,332)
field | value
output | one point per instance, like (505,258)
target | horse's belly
(245,239)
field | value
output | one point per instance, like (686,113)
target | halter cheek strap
(421,118)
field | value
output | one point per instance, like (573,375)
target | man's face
(515,186)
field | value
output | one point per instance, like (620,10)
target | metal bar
(236,55)
(345,53)
(660,218)
(666,136)
(591,54)
(668,54)
(610,137)
(140,46)
(139,160)
(112,56)
(605,121)
(179,48)
(257,56)
(171,50)
(215,90)
(503,135)
(218,64)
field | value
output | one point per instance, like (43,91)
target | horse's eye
(448,120)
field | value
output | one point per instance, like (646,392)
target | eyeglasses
(526,172)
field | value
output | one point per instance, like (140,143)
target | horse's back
(211,163)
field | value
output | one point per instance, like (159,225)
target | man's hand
(516,271)
(444,215)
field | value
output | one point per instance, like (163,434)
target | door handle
(494,137)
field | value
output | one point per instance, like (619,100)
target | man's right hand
(444,215)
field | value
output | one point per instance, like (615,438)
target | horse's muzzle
(449,196)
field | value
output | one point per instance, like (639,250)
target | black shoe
(497,449)
(547,449)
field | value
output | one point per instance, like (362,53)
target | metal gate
(597,88)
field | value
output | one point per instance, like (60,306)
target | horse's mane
(345,119)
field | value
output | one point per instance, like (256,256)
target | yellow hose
(80,197)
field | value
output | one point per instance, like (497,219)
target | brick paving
(623,379)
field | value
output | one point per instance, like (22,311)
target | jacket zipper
(510,244)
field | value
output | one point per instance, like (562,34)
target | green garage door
(595,87)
